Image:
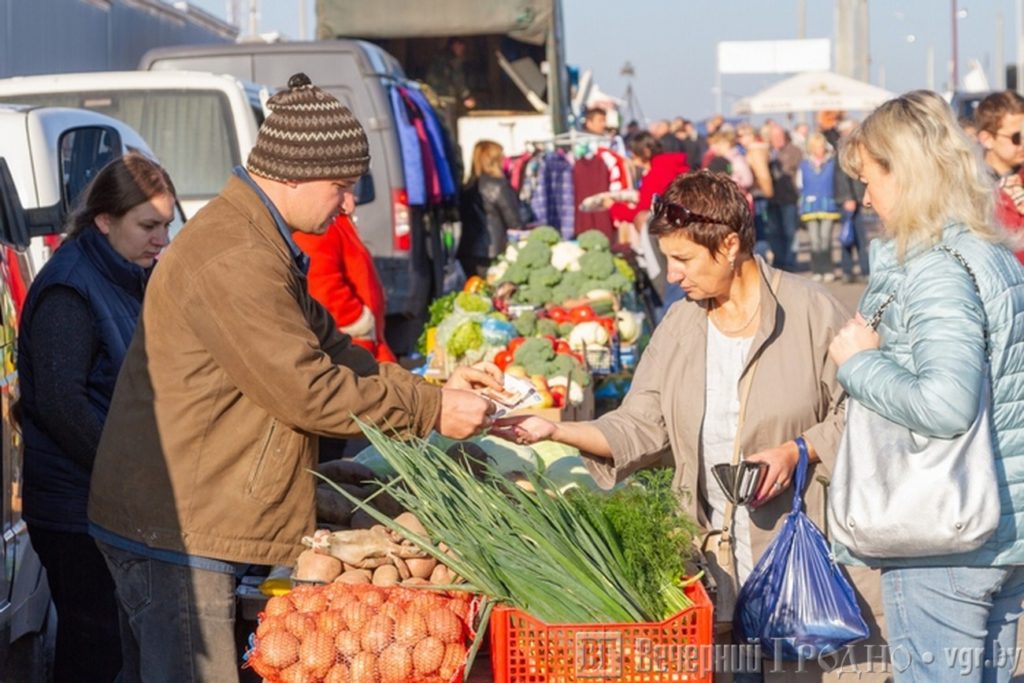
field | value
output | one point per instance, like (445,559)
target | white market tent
(814,91)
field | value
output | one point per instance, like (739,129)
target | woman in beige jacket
(741,316)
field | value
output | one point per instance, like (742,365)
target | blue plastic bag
(797,602)
(847,230)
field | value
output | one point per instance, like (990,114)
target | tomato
(581,314)
(515,344)
(608,324)
(558,395)
(558,314)
(579,358)
(503,359)
(553,340)
(562,346)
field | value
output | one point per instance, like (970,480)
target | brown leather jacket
(232,374)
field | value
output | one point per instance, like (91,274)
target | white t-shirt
(726,357)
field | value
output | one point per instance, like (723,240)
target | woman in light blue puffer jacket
(924,369)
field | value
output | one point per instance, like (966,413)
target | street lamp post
(954,72)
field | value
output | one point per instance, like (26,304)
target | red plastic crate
(526,650)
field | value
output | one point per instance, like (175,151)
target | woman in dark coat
(78,319)
(489,210)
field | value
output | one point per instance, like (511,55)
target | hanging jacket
(409,143)
(438,142)
(817,196)
(927,375)
(553,202)
(56,488)
(429,170)
(665,168)
(590,176)
(343,279)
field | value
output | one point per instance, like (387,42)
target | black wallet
(740,482)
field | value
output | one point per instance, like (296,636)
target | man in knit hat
(233,374)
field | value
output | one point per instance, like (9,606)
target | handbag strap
(974,281)
(801,473)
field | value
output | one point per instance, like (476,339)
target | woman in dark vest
(77,322)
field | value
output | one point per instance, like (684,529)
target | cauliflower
(511,252)
(497,271)
(544,234)
(566,256)
(597,265)
(594,240)
(586,334)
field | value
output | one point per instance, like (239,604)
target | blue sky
(671,43)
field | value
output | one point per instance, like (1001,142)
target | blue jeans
(860,230)
(177,622)
(781,231)
(953,623)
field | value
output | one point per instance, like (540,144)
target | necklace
(736,330)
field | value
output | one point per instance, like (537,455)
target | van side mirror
(364,190)
(83,152)
(13,228)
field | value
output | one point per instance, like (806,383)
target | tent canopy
(524,20)
(814,91)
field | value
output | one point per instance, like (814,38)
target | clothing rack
(569,139)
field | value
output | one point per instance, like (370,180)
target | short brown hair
(119,187)
(716,196)
(990,113)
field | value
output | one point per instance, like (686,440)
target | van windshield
(187,130)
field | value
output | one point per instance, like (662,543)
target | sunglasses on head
(677,214)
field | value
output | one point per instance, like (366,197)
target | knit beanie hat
(309,135)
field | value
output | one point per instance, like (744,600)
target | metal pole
(954,69)
(881,75)
(254,17)
(718,84)
(801,19)
(303,29)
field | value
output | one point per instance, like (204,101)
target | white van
(47,156)
(200,125)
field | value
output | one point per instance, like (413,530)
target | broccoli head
(563,292)
(594,240)
(544,278)
(567,366)
(526,323)
(597,265)
(533,296)
(534,354)
(534,255)
(547,326)
(544,234)
(618,283)
(564,329)
(517,274)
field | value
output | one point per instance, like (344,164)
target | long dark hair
(121,185)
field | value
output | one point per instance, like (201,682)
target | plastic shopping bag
(847,230)
(797,603)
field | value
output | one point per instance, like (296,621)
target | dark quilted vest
(56,489)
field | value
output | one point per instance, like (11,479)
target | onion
(410,628)
(428,655)
(347,643)
(278,649)
(317,654)
(356,614)
(444,625)
(454,658)
(299,624)
(268,624)
(293,674)
(279,606)
(373,598)
(331,622)
(338,674)
(378,633)
(363,668)
(394,664)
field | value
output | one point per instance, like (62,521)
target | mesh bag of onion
(360,633)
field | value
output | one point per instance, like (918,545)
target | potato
(312,566)
(441,576)
(412,523)
(385,575)
(354,576)
(332,507)
(421,567)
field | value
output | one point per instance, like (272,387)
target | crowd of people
(170,411)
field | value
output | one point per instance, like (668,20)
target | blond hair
(487,156)
(938,172)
